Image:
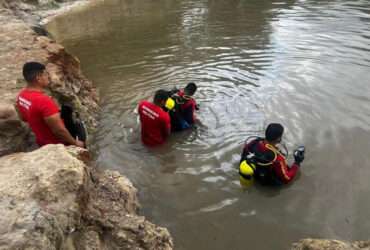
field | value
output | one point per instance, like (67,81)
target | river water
(305,64)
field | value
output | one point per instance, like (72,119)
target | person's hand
(299,155)
(80,144)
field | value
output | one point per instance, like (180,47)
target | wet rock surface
(20,41)
(50,199)
(321,244)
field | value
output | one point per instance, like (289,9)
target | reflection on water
(303,63)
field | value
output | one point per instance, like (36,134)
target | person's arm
(283,172)
(55,123)
(50,113)
(194,108)
(188,114)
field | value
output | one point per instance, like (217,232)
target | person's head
(190,89)
(160,97)
(35,74)
(274,133)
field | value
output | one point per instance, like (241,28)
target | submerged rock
(50,199)
(322,244)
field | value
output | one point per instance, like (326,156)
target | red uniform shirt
(34,106)
(155,124)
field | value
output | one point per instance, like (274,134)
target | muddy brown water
(305,64)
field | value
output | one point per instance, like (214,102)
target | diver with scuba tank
(170,111)
(182,106)
(262,160)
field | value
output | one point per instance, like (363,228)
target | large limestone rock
(50,199)
(14,134)
(322,244)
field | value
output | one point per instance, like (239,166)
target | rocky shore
(51,198)
(322,244)
(21,41)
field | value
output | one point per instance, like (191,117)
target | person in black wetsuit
(73,123)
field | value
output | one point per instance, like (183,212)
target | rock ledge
(50,199)
(323,244)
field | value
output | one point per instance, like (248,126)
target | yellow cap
(170,103)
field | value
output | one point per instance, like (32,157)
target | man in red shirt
(269,163)
(40,111)
(155,122)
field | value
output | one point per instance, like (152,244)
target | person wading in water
(155,121)
(261,159)
(183,111)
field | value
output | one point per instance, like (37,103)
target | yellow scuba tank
(246,173)
(170,103)
(253,166)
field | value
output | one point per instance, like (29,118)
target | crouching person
(40,111)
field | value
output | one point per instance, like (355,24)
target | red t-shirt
(155,124)
(34,106)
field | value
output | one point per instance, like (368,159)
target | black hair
(160,95)
(274,131)
(190,88)
(31,70)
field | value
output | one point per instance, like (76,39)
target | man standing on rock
(40,111)
(155,122)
